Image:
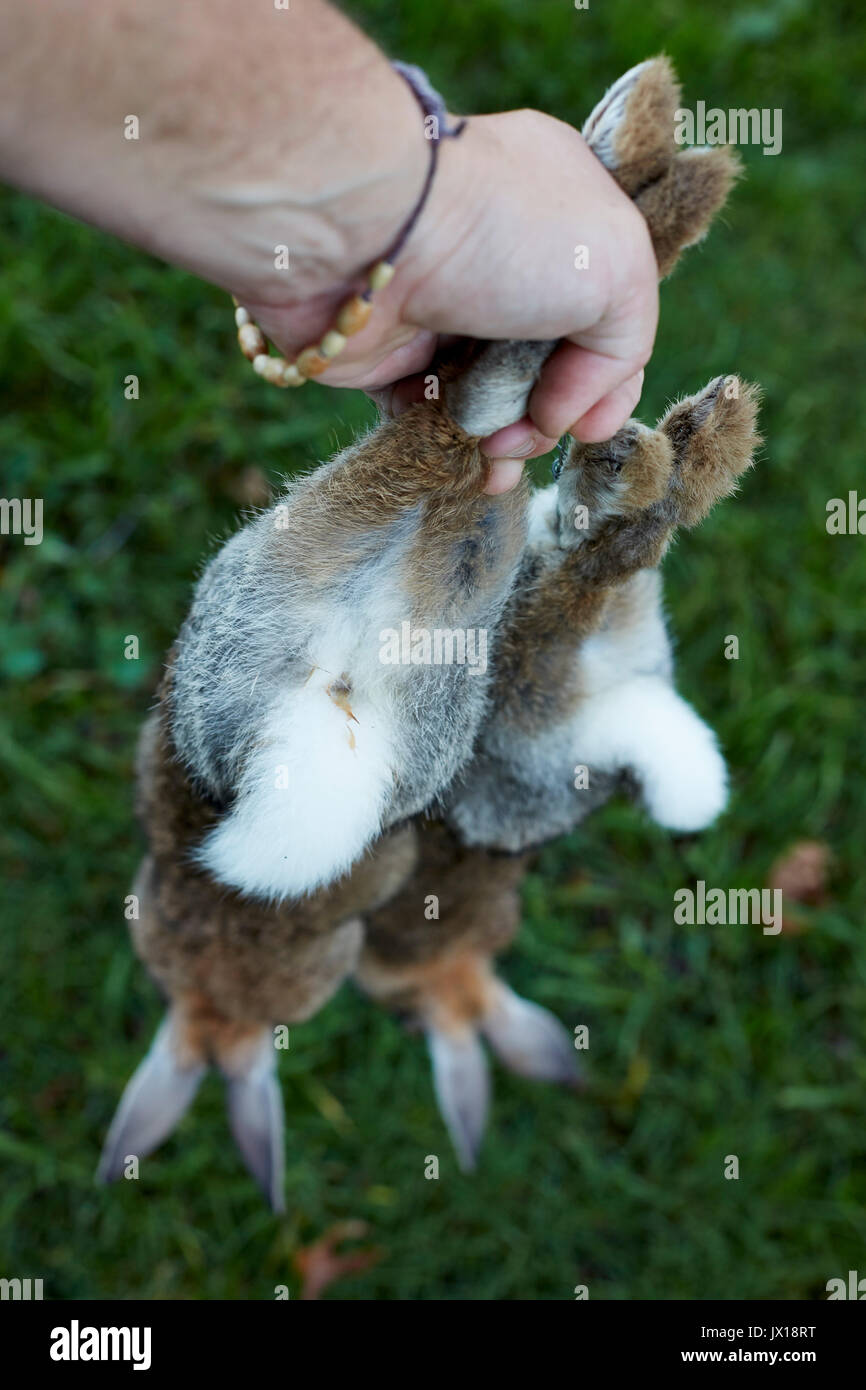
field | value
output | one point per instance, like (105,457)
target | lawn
(705,1041)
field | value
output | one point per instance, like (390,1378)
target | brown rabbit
(581,684)
(288,773)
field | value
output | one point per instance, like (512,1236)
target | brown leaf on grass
(801,875)
(56,1093)
(321,1264)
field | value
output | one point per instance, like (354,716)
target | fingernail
(520,451)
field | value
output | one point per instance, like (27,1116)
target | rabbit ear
(678,190)
(156,1098)
(632,133)
(528,1039)
(714,436)
(680,206)
(631,130)
(165,1083)
(462,1083)
(255,1106)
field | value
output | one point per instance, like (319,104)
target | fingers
(504,474)
(522,440)
(380,355)
(508,449)
(610,413)
(574,382)
(382,364)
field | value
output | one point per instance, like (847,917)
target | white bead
(241,317)
(381,275)
(332,343)
(273,370)
(291,375)
(251,339)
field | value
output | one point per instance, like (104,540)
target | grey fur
(529,1040)
(494,391)
(156,1097)
(338,571)
(257,616)
(461,1079)
(254,620)
(509,799)
(255,1108)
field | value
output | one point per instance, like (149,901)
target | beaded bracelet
(354,311)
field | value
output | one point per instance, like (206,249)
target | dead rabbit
(302,796)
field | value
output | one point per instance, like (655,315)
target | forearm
(257,127)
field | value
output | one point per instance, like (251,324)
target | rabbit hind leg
(440,974)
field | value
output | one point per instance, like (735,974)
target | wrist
(320,149)
(453,226)
(337,203)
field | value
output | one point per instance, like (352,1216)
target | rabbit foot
(619,502)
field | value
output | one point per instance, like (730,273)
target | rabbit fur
(303,798)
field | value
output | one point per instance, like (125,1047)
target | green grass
(704,1041)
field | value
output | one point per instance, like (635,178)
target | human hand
(494,255)
(322,150)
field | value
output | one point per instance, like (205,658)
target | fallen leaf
(801,875)
(321,1264)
